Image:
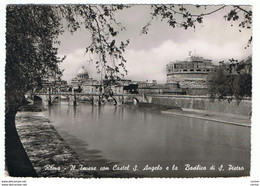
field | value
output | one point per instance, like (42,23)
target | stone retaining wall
(50,154)
(203,103)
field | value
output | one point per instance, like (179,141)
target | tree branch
(197,15)
(243,10)
(212,11)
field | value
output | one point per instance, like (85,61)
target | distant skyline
(147,55)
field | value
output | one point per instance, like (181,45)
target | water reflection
(74,111)
(128,136)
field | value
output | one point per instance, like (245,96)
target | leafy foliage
(182,16)
(232,79)
(242,86)
(100,22)
(30,33)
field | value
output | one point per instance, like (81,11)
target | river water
(126,137)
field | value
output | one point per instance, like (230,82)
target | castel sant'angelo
(190,74)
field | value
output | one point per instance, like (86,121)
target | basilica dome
(82,74)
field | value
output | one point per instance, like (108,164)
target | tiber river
(166,145)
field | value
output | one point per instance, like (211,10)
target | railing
(82,94)
(152,95)
(196,96)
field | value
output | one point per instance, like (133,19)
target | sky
(147,55)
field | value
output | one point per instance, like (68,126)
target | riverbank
(46,147)
(212,116)
(232,119)
(155,107)
(204,103)
(49,153)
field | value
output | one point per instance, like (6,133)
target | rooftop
(191,59)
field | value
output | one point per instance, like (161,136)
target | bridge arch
(137,100)
(37,97)
(91,99)
(132,98)
(114,100)
(87,97)
(54,97)
(37,100)
(117,99)
(45,99)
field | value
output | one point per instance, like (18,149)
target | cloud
(151,64)
(147,55)
(74,61)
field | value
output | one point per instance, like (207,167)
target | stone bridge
(94,98)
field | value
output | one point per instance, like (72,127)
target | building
(84,82)
(173,88)
(119,87)
(146,84)
(149,87)
(89,85)
(189,75)
(81,77)
(153,89)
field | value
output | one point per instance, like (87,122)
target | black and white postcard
(108,90)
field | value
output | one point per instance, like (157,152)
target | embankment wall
(204,103)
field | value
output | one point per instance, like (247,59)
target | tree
(31,32)
(184,16)
(223,83)
(33,29)
(220,84)
(242,86)
(232,79)
(105,51)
